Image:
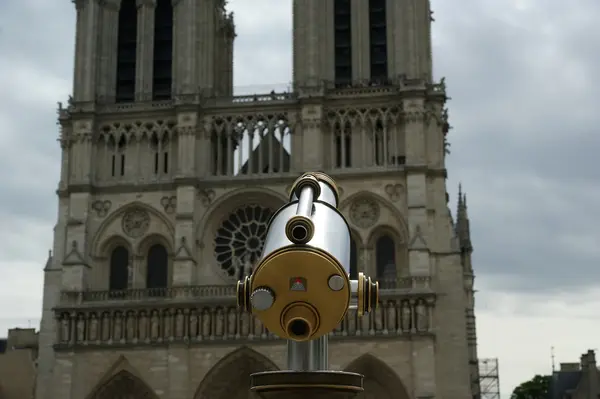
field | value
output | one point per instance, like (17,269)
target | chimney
(591,359)
(584,361)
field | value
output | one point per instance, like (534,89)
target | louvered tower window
(378,41)
(162,78)
(343,42)
(126,52)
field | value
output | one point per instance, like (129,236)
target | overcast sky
(523,76)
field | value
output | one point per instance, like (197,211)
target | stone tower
(168,181)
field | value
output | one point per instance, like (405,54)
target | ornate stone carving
(101,207)
(240,238)
(198,320)
(169,204)
(206,196)
(394,192)
(135,222)
(364,212)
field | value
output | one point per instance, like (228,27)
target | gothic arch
(155,252)
(111,243)
(389,247)
(230,377)
(122,381)
(228,202)
(111,225)
(398,218)
(380,381)
(153,239)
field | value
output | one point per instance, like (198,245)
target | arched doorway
(123,385)
(230,377)
(381,382)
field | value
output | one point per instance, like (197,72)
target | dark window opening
(163,51)
(166,162)
(378,41)
(220,154)
(157,270)
(156,163)
(353,260)
(119,269)
(343,43)
(385,259)
(122,147)
(379,145)
(113,166)
(126,52)
(343,147)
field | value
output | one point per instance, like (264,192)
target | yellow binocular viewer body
(301,287)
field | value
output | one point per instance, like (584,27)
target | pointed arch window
(379,147)
(385,257)
(343,42)
(157,269)
(343,146)
(378,41)
(160,148)
(119,269)
(353,260)
(126,51)
(162,78)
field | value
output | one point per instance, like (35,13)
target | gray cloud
(524,143)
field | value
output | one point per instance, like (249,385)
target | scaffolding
(489,378)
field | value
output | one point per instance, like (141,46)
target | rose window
(240,238)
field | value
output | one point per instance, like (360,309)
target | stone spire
(48,265)
(462,225)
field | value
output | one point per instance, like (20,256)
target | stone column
(76,269)
(204,45)
(108,51)
(312,138)
(145,50)
(361,52)
(88,32)
(185,47)
(416,181)
(184,264)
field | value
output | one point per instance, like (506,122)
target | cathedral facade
(168,181)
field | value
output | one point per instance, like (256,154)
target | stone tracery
(240,239)
(249,144)
(365,137)
(125,148)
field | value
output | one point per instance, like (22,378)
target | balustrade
(211,293)
(190,324)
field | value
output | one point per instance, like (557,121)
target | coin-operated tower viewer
(301,290)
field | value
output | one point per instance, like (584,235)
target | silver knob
(336,282)
(262,298)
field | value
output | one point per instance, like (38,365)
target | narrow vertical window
(119,269)
(343,43)
(163,51)
(126,52)
(378,41)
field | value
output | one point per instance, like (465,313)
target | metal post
(308,355)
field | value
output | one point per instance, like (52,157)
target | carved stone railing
(207,293)
(397,315)
(210,292)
